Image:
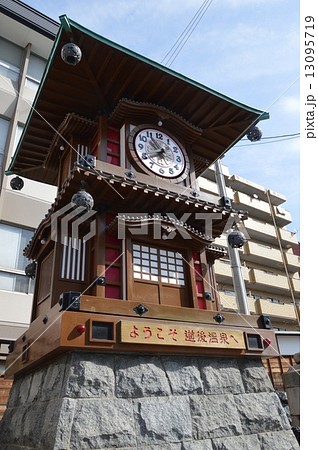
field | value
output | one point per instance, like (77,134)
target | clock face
(160,154)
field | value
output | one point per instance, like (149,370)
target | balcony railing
(268,281)
(262,254)
(261,306)
(223,272)
(276,310)
(229,302)
(282,216)
(293,262)
(255,206)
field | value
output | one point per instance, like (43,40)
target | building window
(273,300)
(265,246)
(153,264)
(4,127)
(12,262)
(228,292)
(35,71)
(17,137)
(10,61)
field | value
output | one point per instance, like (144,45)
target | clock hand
(154,152)
(156,143)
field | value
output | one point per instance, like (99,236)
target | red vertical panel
(113,134)
(113,149)
(112,291)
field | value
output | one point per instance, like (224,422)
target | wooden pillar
(215,289)
(206,281)
(100,252)
(102,141)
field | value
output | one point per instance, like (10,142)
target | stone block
(19,391)
(52,380)
(259,412)
(294,400)
(183,374)
(197,445)
(159,447)
(57,424)
(29,426)
(9,425)
(163,419)
(254,376)
(282,440)
(140,376)
(102,423)
(214,416)
(36,386)
(221,376)
(89,375)
(292,377)
(249,442)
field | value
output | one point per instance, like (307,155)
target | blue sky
(246,49)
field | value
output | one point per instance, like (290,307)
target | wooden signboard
(180,335)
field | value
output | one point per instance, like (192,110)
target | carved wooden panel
(45,278)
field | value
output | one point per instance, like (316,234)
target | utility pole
(238,281)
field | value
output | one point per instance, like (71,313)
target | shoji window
(159,265)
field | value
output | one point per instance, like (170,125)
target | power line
(274,137)
(185,35)
(271,142)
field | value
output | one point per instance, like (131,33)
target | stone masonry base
(86,400)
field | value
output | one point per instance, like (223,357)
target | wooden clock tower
(123,261)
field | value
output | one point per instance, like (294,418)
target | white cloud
(289,105)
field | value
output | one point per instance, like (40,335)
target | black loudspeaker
(88,161)
(100,281)
(70,301)
(265,322)
(226,202)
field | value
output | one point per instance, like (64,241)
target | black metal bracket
(88,161)
(219,318)
(70,301)
(100,281)
(226,202)
(265,322)
(140,309)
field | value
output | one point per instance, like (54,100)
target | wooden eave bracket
(71,124)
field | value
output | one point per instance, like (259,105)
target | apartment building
(25,43)
(270,267)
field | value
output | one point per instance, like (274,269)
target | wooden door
(159,275)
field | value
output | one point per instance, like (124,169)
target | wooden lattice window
(150,263)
